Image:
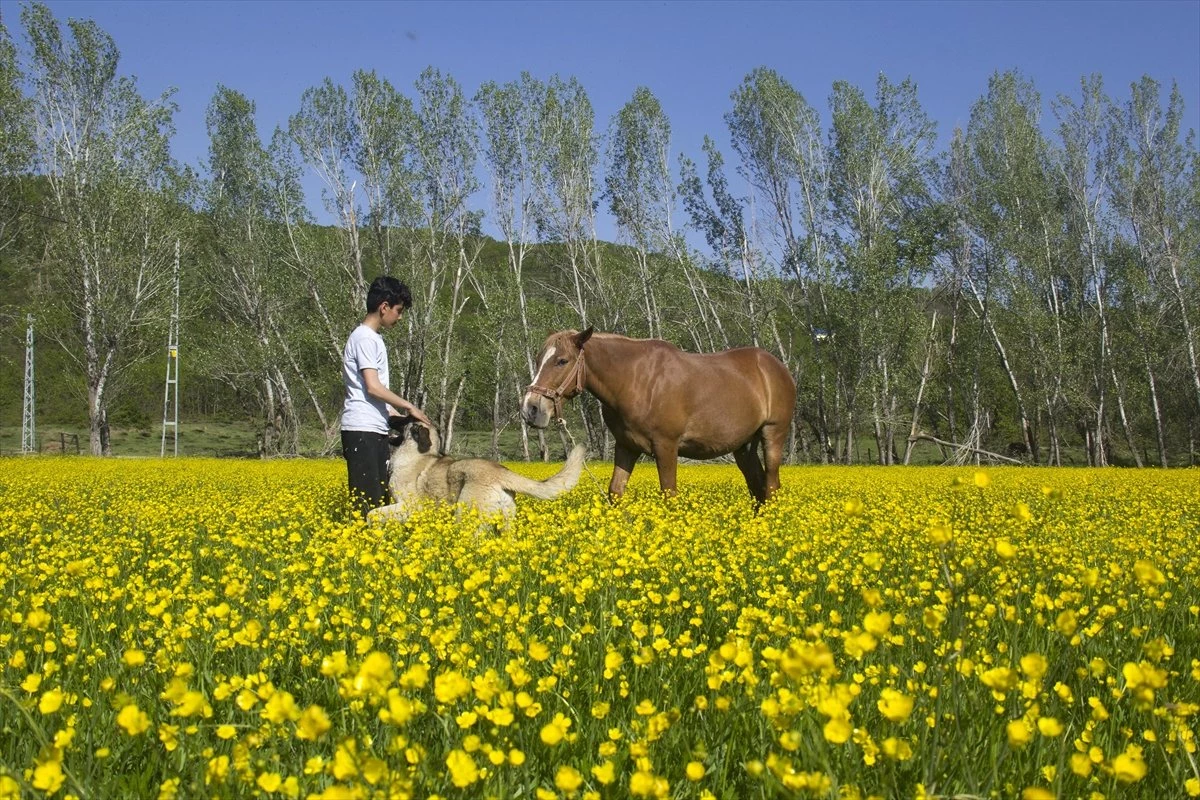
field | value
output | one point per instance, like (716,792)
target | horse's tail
(561,482)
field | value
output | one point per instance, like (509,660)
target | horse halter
(564,391)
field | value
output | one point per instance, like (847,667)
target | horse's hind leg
(774,436)
(746,457)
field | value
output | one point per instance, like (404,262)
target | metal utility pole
(171,387)
(28,434)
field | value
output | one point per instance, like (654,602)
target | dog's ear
(422,436)
(581,338)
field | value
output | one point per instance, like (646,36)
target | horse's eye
(562,362)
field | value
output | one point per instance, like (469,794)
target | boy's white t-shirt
(361,412)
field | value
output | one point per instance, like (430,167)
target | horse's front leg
(666,455)
(623,462)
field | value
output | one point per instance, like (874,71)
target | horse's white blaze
(536,408)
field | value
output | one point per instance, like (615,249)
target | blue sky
(690,54)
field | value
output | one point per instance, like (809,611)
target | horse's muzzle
(534,411)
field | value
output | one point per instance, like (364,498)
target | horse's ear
(582,337)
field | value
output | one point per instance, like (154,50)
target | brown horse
(661,401)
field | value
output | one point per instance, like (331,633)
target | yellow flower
(47,773)
(1129,766)
(1034,665)
(694,771)
(280,708)
(415,677)
(553,732)
(838,730)
(983,480)
(853,507)
(51,701)
(345,760)
(226,732)
(192,704)
(9,788)
(38,619)
(647,784)
(133,657)
(1018,732)
(1037,793)
(269,782)
(450,686)
(567,779)
(1192,786)
(216,769)
(538,651)
(133,720)
(895,706)
(897,749)
(1004,549)
(1000,679)
(604,773)
(941,534)
(877,622)
(1049,727)
(1081,765)
(313,723)
(463,771)
(334,665)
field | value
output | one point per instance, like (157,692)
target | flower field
(200,628)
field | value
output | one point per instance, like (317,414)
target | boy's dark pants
(366,455)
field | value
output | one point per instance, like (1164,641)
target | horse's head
(560,376)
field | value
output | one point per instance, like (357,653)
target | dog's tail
(561,482)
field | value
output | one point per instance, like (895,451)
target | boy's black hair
(386,289)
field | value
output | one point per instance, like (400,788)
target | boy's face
(390,314)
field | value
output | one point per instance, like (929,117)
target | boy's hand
(419,415)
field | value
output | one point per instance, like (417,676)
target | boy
(369,401)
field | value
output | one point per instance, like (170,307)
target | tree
(255,292)
(1012,211)
(567,213)
(104,151)
(1154,187)
(639,190)
(441,156)
(516,152)
(16,141)
(777,137)
(881,164)
(323,131)
(1083,164)
(381,118)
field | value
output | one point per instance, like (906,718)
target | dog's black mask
(406,427)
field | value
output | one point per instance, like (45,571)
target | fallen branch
(979,451)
